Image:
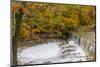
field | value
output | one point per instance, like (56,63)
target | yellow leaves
(51,17)
(74,20)
(86,9)
(64,19)
(35,30)
(24,32)
(46,14)
(87,20)
(33,7)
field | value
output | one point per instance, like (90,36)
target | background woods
(52,18)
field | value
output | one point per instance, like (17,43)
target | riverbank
(41,38)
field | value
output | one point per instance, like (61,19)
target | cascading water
(87,45)
(74,49)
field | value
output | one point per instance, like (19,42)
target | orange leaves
(24,10)
(15,6)
(51,17)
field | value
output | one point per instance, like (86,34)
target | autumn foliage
(52,18)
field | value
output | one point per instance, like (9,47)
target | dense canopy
(53,18)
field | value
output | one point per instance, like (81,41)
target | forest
(36,18)
(35,22)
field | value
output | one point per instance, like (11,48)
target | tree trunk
(18,18)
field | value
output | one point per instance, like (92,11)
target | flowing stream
(75,49)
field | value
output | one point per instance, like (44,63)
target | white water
(51,53)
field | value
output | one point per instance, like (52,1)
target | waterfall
(87,45)
(74,48)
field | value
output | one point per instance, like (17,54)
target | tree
(18,12)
